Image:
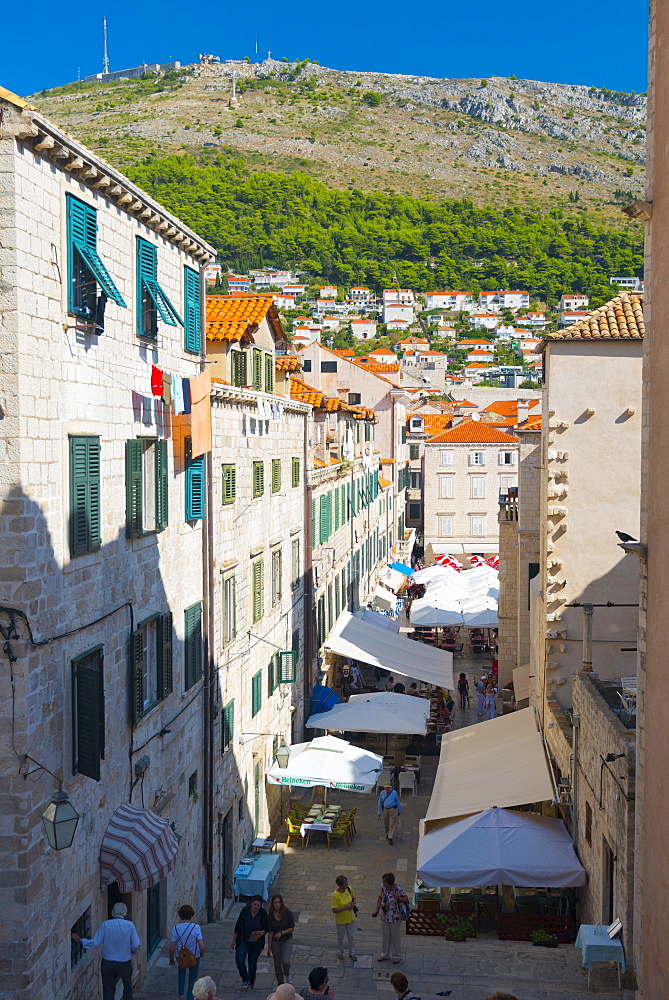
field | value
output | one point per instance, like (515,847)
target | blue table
(595,945)
(259,879)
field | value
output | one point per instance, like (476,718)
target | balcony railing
(508,507)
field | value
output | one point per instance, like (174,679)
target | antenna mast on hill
(105,56)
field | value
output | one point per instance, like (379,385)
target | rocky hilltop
(498,140)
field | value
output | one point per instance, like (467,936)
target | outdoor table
(264,844)
(412,769)
(595,945)
(256,879)
(311,826)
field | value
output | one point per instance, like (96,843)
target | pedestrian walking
(391,904)
(319,985)
(204,989)
(248,940)
(119,941)
(344,909)
(186,950)
(490,702)
(463,690)
(400,984)
(390,807)
(480,695)
(281,925)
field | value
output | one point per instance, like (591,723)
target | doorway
(227,863)
(152,918)
(608,866)
(257,774)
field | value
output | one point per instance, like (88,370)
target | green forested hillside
(349,237)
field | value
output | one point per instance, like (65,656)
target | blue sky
(599,42)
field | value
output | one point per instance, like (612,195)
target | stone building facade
(102,586)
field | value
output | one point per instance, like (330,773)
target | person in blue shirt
(119,940)
(390,808)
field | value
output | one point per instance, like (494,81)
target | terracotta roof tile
(619,319)
(287,363)
(507,407)
(436,422)
(305,393)
(475,431)
(384,483)
(377,366)
(231,317)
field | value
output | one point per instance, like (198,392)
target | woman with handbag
(248,940)
(280,941)
(393,904)
(186,950)
(344,909)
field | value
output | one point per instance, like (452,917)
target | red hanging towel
(156,381)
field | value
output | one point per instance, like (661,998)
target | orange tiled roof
(287,363)
(377,366)
(619,319)
(232,317)
(304,393)
(434,422)
(384,483)
(533,424)
(475,431)
(507,407)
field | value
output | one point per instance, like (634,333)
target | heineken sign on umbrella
(328,761)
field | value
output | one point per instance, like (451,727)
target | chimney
(523,411)
(458,416)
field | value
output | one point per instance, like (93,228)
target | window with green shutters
(276,475)
(324,520)
(258,479)
(337,506)
(192,318)
(146,486)
(152,302)
(337,599)
(256,693)
(320,622)
(269,373)
(272,676)
(313,524)
(238,368)
(228,484)
(192,645)
(257,597)
(286,664)
(86,273)
(88,714)
(227,725)
(195,484)
(151,658)
(256,361)
(367,432)
(295,472)
(84,494)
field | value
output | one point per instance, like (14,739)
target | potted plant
(459,929)
(542,939)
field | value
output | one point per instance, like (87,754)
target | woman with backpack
(186,950)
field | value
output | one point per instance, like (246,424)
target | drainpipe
(576,722)
(588,610)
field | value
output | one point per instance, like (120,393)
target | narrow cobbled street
(472,969)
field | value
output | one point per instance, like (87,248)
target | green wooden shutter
(89,714)
(136,676)
(257,369)
(84,495)
(287,665)
(134,522)
(296,472)
(239,368)
(165,662)
(336,508)
(256,693)
(82,228)
(258,479)
(272,676)
(195,485)
(313,523)
(193,644)
(257,590)
(192,339)
(269,373)
(162,486)
(337,598)
(147,285)
(276,475)
(229,484)
(323,520)
(227,725)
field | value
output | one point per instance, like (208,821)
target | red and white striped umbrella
(476,561)
(137,850)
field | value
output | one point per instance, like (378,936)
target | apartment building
(465,469)
(452,301)
(363,329)
(104,537)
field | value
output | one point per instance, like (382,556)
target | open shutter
(269,373)
(89,707)
(313,524)
(276,475)
(84,494)
(191,310)
(296,472)
(166,675)
(193,644)
(271,676)
(229,484)
(287,664)
(162,485)
(83,228)
(257,590)
(227,725)
(136,676)
(195,488)
(257,369)
(239,368)
(133,488)
(256,693)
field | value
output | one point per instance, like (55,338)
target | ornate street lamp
(60,820)
(283,755)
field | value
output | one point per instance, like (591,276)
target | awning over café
(376,712)
(138,849)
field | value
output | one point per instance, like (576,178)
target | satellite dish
(476,416)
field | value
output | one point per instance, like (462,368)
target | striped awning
(138,849)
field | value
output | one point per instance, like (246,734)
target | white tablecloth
(308,827)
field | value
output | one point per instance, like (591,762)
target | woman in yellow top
(344,909)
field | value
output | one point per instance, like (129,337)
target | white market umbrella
(330,762)
(499,847)
(380,712)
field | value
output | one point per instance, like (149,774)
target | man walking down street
(390,808)
(119,940)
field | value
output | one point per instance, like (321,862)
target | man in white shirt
(119,940)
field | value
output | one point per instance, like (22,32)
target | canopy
(391,578)
(496,763)
(384,598)
(379,647)
(380,712)
(468,598)
(434,573)
(521,682)
(401,568)
(499,847)
(377,619)
(322,698)
(137,850)
(328,761)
